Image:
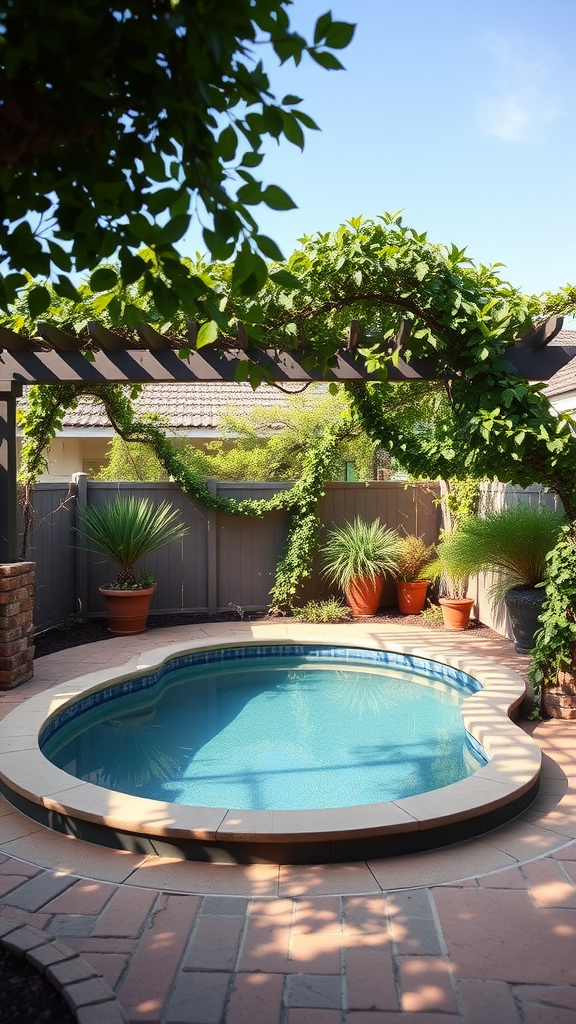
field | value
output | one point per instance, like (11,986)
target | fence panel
(248,549)
(223,561)
(52,547)
(180,568)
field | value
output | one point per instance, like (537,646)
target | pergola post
(8,468)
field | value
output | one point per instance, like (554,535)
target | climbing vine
(381,273)
(43,417)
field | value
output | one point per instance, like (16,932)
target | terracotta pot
(127,610)
(363,596)
(411,596)
(456,611)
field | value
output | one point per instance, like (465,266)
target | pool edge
(496,793)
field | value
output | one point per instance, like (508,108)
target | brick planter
(560,701)
(16,619)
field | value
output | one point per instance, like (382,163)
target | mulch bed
(60,638)
(26,997)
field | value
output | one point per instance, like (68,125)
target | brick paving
(481,933)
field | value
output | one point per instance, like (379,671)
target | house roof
(564,380)
(186,406)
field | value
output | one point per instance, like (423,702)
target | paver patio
(479,933)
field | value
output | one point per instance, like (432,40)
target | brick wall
(16,614)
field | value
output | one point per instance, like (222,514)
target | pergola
(116,357)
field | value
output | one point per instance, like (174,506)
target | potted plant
(412,579)
(356,557)
(453,576)
(127,529)
(513,544)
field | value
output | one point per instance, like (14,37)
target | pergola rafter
(118,357)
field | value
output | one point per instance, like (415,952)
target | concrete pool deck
(481,932)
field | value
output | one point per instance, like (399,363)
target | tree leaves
(277,199)
(38,299)
(103,279)
(154,124)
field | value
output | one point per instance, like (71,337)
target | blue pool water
(285,728)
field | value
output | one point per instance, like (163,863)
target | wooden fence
(223,561)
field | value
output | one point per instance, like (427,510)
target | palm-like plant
(126,529)
(359,550)
(512,543)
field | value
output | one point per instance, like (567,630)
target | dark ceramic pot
(524,605)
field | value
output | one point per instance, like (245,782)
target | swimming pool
(284,727)
(496,792)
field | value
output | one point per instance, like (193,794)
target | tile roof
(192,406)
(565,380)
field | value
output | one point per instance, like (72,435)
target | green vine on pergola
(380,273)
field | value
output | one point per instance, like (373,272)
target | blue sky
(461,112)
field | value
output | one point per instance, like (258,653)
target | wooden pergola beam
(164,366)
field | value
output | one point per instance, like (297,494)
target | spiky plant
(126,529)
(359,550)
(512,543)
(413,559)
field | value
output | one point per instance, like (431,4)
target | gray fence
(224,560)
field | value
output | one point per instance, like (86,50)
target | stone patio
(479,933)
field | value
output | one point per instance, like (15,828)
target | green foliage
(513,543)
(555,642)
(359,550)
(488,422)
(413,559)
(131,461)
(447,568)
(330,610)
(116,122)
(460,499)
(127,529)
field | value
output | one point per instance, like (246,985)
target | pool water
(291,732)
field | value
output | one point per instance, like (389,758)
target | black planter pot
(524,605)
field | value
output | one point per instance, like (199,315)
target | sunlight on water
(282,733)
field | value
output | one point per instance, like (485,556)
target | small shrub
(322,611)
(432,615)
(413,558)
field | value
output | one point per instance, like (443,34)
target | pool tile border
(498,791)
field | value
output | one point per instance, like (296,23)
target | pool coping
(471,807)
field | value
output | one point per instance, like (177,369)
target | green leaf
(321,27)
(308,122)
(252,159)
(103,279)
(290,100)
(268,248)
(174,229)
(207,334)
(250,272)
(131,267)
(165,299)
(292,130)
(227,144)
(102,301)
(38,300)
(326,60)
(66,289)
(250,194)
(339,35)
(277,199)
(286,280)
(333,388)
